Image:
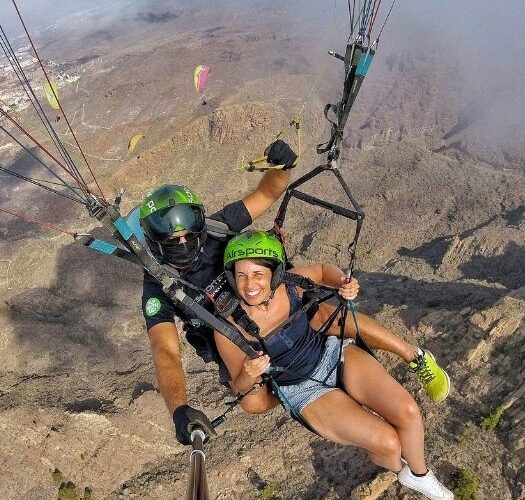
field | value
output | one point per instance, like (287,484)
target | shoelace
(423,370)
(434,480)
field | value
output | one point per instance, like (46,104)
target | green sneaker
(434,379)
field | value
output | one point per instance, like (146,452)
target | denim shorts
(297,396)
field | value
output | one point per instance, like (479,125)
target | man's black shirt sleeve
(156,306)
(235,214)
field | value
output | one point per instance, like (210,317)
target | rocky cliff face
(441,262)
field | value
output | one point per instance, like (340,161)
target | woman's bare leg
(368,383)
(374,333)
(337,417)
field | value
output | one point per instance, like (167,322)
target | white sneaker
(428,484)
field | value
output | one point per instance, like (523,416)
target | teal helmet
(255,245)
(166,210)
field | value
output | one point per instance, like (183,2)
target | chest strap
(313,295)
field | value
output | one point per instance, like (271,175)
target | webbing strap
(240,316)
(302,282)
(359,341)
(357,61)
(287,405)
(322,294)
(112,220)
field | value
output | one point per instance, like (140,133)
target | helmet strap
(267,301)
(264,302)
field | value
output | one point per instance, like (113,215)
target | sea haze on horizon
(482,39)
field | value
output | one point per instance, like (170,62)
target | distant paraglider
(51,93)
(133,142)
(200,77)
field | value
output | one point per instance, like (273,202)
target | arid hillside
(441,258)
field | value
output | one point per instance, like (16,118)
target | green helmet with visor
(169,209)
(255,245)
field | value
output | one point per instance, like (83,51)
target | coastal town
(13,97)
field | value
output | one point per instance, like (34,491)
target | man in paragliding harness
(179,235)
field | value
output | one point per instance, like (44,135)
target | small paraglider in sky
(200,77)
(133,142)
(51,93)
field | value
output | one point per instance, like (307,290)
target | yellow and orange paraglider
(51,93)
(200,77)
(133,142)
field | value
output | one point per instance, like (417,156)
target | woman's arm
(328,275)
(245,373)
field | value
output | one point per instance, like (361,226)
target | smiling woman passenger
(336,409)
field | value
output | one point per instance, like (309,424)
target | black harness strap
(110,217)
(313,288)
(357,60)
(313,296)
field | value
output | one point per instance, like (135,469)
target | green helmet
(166,210)
(255,245)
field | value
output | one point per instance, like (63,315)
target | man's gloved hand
(279,153)
(187,419)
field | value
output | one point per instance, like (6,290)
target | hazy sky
(483,37)
(492,30)
(485,23)
(486,34)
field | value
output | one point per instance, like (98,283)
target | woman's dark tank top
(297,347)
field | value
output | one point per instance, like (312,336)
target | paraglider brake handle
(118,197)
(252,165)
(335,54)
(99,210)
(95,208)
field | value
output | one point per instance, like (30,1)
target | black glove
(279,153)
(187,419)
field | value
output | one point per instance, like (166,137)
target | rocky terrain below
(440,177)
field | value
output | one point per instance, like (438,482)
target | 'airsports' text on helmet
(166,210)
(254,245)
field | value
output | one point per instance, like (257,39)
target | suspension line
(58,101)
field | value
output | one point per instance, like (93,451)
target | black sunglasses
(176,240)
(164,223)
